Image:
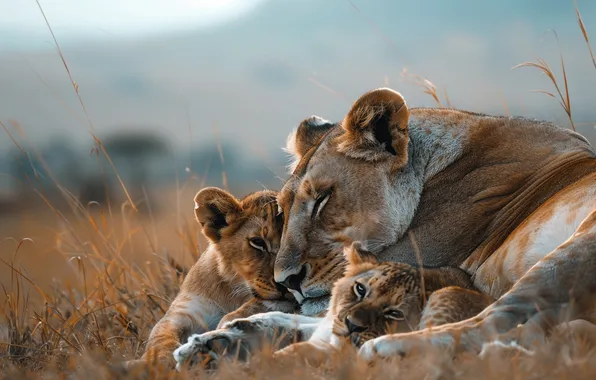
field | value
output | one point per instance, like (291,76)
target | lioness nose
(354,328)
(293,281)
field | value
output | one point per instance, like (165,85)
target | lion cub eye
(258,243)
(320,202)
(359,290)
(397,315)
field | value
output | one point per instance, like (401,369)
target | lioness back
(233,278)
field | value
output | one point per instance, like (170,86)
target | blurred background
(188,93)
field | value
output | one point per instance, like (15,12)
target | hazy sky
(253,69)
(22,26)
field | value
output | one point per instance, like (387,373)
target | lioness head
(374,298)
(246,234)
(340,190)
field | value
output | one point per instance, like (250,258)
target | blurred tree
(133,154)
(43,170)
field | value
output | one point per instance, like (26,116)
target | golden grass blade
(76,89)
(544,68)
(582,26)
(504,104)
(420,263)
(63,59)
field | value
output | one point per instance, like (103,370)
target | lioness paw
(387,346)
(382,347)
(184,352)
(197,344)
(367,351)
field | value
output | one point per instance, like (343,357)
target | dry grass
(87,329)
(86,281)
(561,95)
(584,31)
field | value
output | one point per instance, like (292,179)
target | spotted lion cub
(375,298)
(233,278)
(378,298)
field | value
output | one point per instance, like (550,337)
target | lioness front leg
(560,287)
(242,336)
(251,307)
(257,306)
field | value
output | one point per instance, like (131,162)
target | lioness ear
(215,209)
(356,254)
(308,133)
(377,128)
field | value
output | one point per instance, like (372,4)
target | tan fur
(452,304)
(231,279)
(508,200)
(490,195)
(360,141)
(424,296)
(557,289)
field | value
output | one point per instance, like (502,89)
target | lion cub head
(246,234)
(374,298)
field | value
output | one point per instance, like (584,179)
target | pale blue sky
(22,26)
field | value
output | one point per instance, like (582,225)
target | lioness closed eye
(377,298)
(233,278)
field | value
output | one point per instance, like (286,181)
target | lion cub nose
(293,281)
(353,327)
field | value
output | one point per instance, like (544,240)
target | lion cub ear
(376,128)
(307,135)
(216,209)
(356,254)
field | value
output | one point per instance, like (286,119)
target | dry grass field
(81,291)
(81,287)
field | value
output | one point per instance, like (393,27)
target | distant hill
(255,79)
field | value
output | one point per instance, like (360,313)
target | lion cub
(375,298)
(233,278)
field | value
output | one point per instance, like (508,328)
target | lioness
(233,278)
(508,200)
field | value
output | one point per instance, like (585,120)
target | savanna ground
(82,285)
(82,288)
